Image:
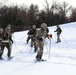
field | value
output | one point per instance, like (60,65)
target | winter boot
(38,57)
(35,49)
(10,58)
(1,57)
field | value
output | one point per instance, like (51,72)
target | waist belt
(5,41)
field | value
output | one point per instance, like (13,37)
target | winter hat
(9,25)
(43,25)
(1,30)
(7,29)
(34,26)
(57,25)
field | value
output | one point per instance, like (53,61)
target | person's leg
(35,46)
(8,46)
(40,52)
(28,39)
(58,38)
(2,50)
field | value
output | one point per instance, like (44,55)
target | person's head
(9,25)
(34,26)
(1,30)
(7,30)
(57,25)
(43,25)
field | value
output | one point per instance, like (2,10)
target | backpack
(47,30)
(7,33)
(60,30)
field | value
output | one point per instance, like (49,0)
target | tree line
(22,18)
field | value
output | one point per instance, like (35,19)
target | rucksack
(47,30)
(60,30)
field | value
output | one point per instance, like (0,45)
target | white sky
(41,2)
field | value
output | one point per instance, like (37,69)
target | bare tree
(73,15)
(33,12)
(47,9)
(62,9)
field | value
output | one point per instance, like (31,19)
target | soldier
(12,31)
(58,30)
(41,34)
(31,34)
(6,42)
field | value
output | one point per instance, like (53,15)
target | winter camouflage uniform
(58,30)
(6,42)
(41,34)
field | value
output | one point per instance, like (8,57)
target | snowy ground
(62,60)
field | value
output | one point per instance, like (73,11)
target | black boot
(35,49)
(10,58)
(1,58)
(38,57)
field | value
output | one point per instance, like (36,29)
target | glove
(49,35)
(39,38)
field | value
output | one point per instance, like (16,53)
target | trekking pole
(31,47)
(14,41)
(55,35)
(63,38)
(46,45)
(32,43)
(53,39)
(49,47)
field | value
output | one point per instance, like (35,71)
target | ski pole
(55,35)
(53,39)
(63,38)
(49,47)
(45,41)
(14,41)
(31,45)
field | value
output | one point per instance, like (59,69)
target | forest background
(23,17)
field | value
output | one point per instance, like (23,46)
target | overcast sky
(73,2)
(40,2)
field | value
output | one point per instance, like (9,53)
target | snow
(62,59)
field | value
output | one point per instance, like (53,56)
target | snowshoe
(39,60)
(9,58)
(1,59)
